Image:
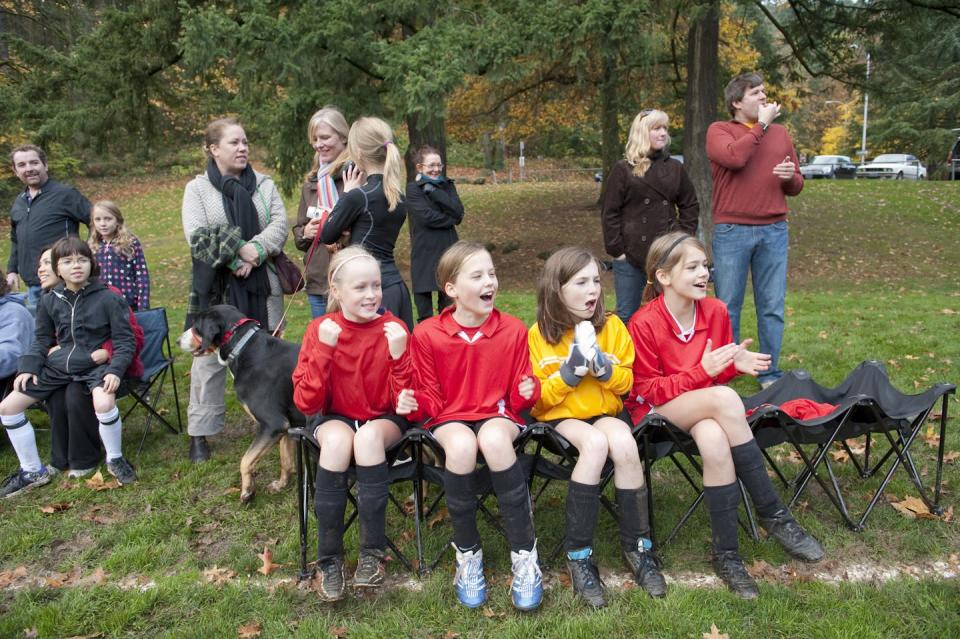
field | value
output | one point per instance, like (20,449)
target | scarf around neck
(248,294)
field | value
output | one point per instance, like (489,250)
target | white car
(894,166)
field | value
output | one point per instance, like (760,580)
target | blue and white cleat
(527,588)
(468,582)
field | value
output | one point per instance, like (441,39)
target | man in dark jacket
(43,213)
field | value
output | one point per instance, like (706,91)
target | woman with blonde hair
(372,209)
(648,195)
(322,187)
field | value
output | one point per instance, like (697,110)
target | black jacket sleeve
(434,210)
(344,214)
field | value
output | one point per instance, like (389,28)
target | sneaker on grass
(122,470)
(21,481)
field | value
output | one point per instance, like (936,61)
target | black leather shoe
(586,581)
(729,567)
(795,540)
(199,450)
(645,566)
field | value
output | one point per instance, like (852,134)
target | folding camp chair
(866,404)
(157,357)
(554,458)
(658,439)
(405,463)
(482,482)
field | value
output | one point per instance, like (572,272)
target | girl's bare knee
(593,447)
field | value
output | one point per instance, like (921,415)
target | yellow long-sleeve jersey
(590,397)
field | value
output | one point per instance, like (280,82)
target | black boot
(795,540)
(199,450)
(729,567)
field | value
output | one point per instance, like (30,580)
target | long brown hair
(553,316)
(122,237)
(665,253)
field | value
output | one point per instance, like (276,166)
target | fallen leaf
(856,447)
(715,633)
(49,509)
(438,518)
(93,636)
(947,515)
(948,311)
(932,437)
(840,455)
(760,569)
(267,558)
(951,457)
(339,632)
(913,508)
(564,578)
(218,576)
(97,483)
(794,457)
(97,578)
(232,490)
(30,633)
(106,519)
(249,630)
(450,634)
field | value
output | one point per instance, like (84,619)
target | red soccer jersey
(665,366)
(470,374)
(356,379)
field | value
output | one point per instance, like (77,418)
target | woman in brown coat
(648,195)
(322,187)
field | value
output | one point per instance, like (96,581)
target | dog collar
(233,329)
(236,350)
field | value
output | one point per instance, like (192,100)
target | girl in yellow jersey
(584,359)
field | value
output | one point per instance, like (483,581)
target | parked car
(895,166)
(953,159)
(829,166)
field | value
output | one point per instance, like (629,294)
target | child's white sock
(24,442)
(110,433)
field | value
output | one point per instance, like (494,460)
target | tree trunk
(610,145)
(701,105)
(424,129)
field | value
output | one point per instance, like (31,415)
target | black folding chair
(660,439)
(553,459)
(405,461)
(867,404)
(157,357)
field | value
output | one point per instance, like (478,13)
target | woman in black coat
(648,195)
(434,209)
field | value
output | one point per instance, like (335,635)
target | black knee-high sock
(330,503)
(723,503)
(748,463)
(462,506)
(373,489)
(634,516)
(583,502)
(513,496)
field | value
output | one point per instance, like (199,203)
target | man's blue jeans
(33,298)
(318,304)
(628,283)
(761,249)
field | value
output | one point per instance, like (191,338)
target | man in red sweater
(754,168)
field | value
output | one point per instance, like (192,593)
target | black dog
(262,367)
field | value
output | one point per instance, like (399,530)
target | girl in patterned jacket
(119,254)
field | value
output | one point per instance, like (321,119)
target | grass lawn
(873,275)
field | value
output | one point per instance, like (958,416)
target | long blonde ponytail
(371,143)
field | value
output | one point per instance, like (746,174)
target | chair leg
(303,498)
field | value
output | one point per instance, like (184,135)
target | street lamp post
(866,102)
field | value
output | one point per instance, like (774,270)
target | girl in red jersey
(365,352)
(475,379)
(583,358)
(684,354)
